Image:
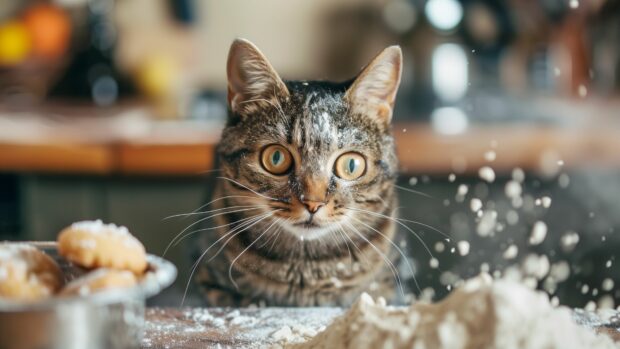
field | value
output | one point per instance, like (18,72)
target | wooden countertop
(264,327)
(130,143)
(198,328)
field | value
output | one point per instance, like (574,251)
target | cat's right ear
(374,90)
(252,81)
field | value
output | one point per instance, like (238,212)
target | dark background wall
(37,207)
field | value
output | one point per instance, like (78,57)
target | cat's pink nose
(313,206)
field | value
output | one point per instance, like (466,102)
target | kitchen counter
(127,141)
(194,328)
(197,328)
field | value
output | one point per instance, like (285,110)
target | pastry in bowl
(93,244)
(27,273)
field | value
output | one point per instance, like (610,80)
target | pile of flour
(480,314)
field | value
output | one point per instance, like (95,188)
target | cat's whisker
(359,251)
(195,265)
(277,235)
(249,189)
(211,211)
(448,239)
(214,201)
(213,228)
(382,255)
(239,232)
(268,239)
(343,237)
(409,266)
(334,238)
(414,191)
(272,237)
(204,219)
(230,268)
(399,223)
(352,242)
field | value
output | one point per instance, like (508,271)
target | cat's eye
(276,159)
(350,166)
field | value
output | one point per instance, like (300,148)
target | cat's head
(314,154)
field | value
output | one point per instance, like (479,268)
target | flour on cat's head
(315,154)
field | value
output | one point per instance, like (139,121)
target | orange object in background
(50,29)
(15,43)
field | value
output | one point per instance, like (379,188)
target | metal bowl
(107,320)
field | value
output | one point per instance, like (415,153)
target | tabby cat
(303,201)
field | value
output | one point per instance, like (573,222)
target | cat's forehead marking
(318,123)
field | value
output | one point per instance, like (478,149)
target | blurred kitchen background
(507,120)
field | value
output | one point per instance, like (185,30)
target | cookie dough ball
(26,273)
(99,280)
(92,244)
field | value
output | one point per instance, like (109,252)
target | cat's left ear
(374,90)
(252,81)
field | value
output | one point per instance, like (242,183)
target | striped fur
(281,259)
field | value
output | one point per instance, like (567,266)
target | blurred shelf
(56,158)
(542,149)
(165,159)
(131,143)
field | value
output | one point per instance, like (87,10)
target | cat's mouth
(309,224)
(309,229)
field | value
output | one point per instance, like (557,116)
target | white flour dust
(480,314)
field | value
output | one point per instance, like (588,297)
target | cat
(305,200)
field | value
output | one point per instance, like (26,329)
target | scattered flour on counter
(480,314)
(285,333)
(203,316)
(234,318)
(293,334)
(248,328)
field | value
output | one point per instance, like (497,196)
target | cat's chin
(308,231)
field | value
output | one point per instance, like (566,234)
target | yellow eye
(350,166)
(276,159)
